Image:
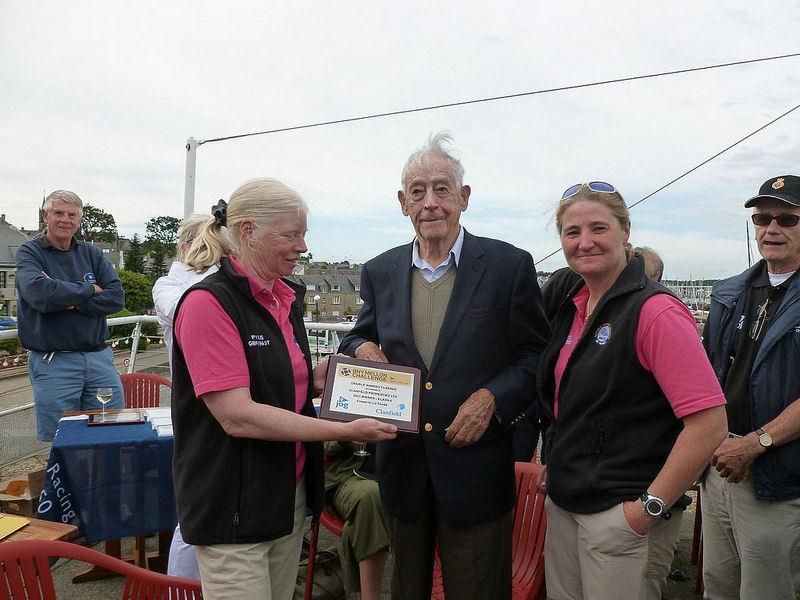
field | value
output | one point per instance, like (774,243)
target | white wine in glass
(104,397)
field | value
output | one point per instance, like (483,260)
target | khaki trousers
(662,540)
(593,557)
(750,547)
(262,571)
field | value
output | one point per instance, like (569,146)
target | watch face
(765,439)
(653,508)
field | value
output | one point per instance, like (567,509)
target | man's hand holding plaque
(356,388)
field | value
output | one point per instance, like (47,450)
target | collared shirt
(214,351)
(430,273)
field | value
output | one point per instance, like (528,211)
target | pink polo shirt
(667,345)
(213,349)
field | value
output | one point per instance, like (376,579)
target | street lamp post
(316,308)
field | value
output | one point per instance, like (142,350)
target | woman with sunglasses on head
(636,410)
(248,457)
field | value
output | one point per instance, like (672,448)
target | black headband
(220,212)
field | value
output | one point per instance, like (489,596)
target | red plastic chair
(25,573)
(143,390)
(333,522)
(530,525)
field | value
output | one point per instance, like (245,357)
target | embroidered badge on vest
(603,334)
(257,339)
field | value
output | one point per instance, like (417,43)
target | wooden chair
(25,573)
(143,390)
(530,525)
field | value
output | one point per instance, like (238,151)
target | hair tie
(220,212)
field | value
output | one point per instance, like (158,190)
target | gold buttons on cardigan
(428,427)
(428,385)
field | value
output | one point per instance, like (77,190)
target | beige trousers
(662,540)
(262,571)
(593,557)
(750,547)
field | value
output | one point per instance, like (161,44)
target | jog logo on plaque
(356,388)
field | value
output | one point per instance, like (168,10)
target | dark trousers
(476,559)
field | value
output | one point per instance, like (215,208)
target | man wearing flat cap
(751,492)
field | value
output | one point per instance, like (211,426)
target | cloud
(106,105)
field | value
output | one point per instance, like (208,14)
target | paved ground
(111,588)
(15,387)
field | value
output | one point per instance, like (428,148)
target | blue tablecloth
(111,481)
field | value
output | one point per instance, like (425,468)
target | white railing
(17,429)
(319,344)
(134,337)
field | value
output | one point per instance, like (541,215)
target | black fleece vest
(615,427)
(241,490)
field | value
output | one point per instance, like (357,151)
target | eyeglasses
(595,186)
(784,219)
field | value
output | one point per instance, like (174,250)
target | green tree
(156,267)
(134,259)
(99,225)
(162,232)
(138,291)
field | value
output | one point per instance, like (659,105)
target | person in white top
(167,291)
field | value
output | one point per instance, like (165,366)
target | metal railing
(18,424)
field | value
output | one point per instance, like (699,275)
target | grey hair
(433,147)
(64,196)
(257,200)
(653,265)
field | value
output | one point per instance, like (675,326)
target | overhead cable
(694,168)
(495,98)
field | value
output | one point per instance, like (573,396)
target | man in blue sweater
(66,288)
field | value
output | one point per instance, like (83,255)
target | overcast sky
(100,98)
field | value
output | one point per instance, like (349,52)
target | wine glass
(104,396)
(360,449)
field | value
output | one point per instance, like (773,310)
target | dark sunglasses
(595,186)
(784,220)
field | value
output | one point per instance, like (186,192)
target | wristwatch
(764,438)
(655,507)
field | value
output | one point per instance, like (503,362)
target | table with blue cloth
(111,481)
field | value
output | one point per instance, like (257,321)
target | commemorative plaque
(356,388)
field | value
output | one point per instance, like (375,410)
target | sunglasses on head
(594,186)
(784,219)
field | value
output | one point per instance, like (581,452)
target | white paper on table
(157,413)
(74,418)
(161,422)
